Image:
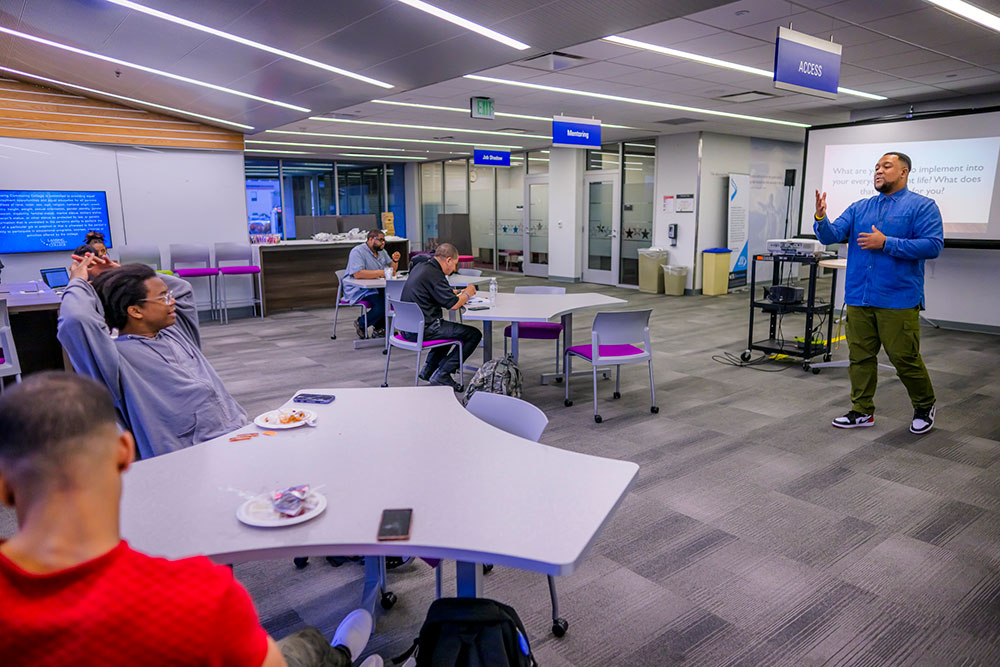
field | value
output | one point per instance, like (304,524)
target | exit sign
(482,107)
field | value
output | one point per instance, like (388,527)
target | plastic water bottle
(493,291)
(388,273)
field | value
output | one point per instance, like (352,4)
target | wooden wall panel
(36,112)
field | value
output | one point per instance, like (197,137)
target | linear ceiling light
(127,99)
(265,150)
(292,143)
(971,12)
(411,141)
(633,100)
(382,157)
(428,127)
(504,115)
(465,23)
(715,62)
(248,42)
(125,63)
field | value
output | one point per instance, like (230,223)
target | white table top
(478,494)
(539,307)
(840,263)
(456,280)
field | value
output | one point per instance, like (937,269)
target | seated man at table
(428,287)
(369,261)
(162,385)
(72,592)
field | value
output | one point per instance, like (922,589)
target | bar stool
(142,253)
(236,252)
(191,253)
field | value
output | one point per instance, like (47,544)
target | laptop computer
(57,278)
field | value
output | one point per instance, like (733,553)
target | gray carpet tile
(755,534)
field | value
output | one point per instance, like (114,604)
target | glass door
(535,228)
(601,249)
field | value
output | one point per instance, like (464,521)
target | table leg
(487,340)
(374,583)
(513,340)
(469,579)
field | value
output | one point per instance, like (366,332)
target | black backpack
(496,376)
(471,632)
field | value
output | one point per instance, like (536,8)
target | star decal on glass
(515,230)
(505,229)
(629,233)
(645,233)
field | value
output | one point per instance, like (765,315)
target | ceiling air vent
(752,96)
(678,121)
(556,61)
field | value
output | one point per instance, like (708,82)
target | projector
(794,246)
(785,294)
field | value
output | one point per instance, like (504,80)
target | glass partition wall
(279,190)
(619,188)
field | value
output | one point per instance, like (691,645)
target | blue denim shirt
(362,259)
(892,277)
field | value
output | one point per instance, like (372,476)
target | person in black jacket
(428,287)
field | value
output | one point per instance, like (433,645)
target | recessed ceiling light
(410,126)
(412,141)
(127,99)
(248,42)
(151,70)
(715,62)
(971,12)
(465,23)
(497,113)
(383,157)
(633,100)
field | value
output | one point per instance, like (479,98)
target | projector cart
(774,343)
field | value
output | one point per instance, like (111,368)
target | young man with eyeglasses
(161,382)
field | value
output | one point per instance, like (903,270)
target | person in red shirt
(72,592)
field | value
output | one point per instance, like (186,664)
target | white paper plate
(261,513)
(271,420)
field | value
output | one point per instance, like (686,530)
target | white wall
(566,219)
(157,196)
(676,173)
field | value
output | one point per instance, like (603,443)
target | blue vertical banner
(738,219)
(806,64)
(570,132)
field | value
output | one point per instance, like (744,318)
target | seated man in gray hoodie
(161,383)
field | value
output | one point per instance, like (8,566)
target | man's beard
(885,187)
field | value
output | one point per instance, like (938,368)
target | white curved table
(478,494)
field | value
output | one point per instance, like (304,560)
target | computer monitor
(55,277)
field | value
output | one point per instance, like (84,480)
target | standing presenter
(889,235)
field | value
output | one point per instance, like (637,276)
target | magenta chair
(341,301)
(611,342)
(537,330)
(190,253)
(408,318)
(236,252)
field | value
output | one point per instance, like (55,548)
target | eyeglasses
(166,299)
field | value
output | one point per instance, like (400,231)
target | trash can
(650,275)
(675,280)
(715,272)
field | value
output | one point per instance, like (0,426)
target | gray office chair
(527,421)
(408,318)
(363,304)
(611,342)
(393,292)
(537,330)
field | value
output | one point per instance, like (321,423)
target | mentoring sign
(576,132)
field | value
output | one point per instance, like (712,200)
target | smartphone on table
(322,399)
(395,524)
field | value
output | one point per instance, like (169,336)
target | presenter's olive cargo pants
(898,330)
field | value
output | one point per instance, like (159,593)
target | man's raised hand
(820,205)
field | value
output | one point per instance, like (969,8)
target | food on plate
(291,501)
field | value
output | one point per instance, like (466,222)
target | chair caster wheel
(816,371)
(559,627)
(597,418)
(385,351)
(655,410)
(460,389)
(487,568)
(300,563)
(617,394)
(568,403)
(333,338)
(385,384)
(388,600)
(559,379)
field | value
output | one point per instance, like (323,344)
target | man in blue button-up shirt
(890,235)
